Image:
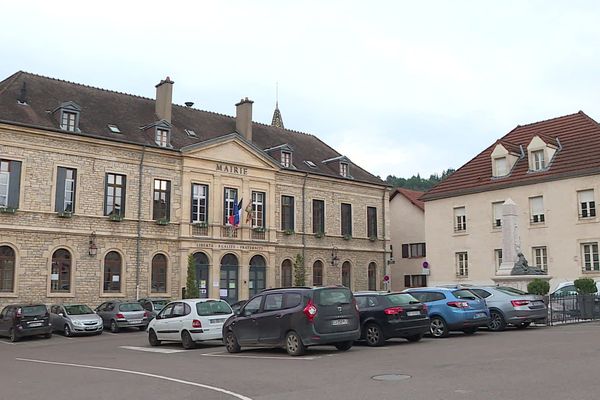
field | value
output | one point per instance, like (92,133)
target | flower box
(115,217)
(347,237)
(64,214)
(162,221)
(289,232)
(8,210)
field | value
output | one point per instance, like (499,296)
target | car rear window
(425,297)
(398,299)
(511,291)
(465,294)
(205,308)
(329,297)
(131,307)
(78,309)
(159,304)
(482,293)
(31,311)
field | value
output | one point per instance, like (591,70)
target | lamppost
(93,250)
(334,256)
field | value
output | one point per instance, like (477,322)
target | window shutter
(537,205)
(424,249)
(14,184)
(405,251)
(192,204)
(59,201)
(292,213)
(168,198)
(264,216)
(106,211)
(207,205)
(584,195)
(74,189)
(123,195)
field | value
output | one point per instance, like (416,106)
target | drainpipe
(385,266)
(304,223)
(139,227)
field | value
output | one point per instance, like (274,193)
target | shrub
(191,285)
(538,286)
(585,285)
(299,271)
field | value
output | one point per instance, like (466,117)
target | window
(10,182)
(346,274)
(318,273)
(536,206)
(66,183)
(190,133)
(161,199)
(113,128)
(114,200)
(371,222)
(372,276)
(68,121)
(199,203)
(540,258)
(462,264)
(7,269)
(159,274)
(346,219)
(287,213)
(413,250)
(286,273)
(587,205)
(258,210)
(162,137)
(286,159)
(112,273)
(310,164)
(318,216)
(415,281)
(500,167)
(344,169)
(252,306)
(273,302)
(460,219)
(60,274)
(589,253)
(538,160)
(498,258)
(497,214)
(230,198)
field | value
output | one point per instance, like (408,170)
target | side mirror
(158,316)
(236,312)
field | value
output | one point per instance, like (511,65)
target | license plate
(35,324)
(413,313)
(337,322)
(480,315)
(217,321)
(135,321)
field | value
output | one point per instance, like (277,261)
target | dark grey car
(75,319)
(153,306)
(117,314)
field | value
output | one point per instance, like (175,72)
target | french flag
(234,219)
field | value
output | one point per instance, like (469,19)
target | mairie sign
(232,169)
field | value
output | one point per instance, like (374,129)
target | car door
(175,323)
(57,324)
(161,322)
(4,321)
(245,325)
(100,310)
(271,319)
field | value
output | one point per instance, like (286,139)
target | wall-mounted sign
(232,169)
(54,277)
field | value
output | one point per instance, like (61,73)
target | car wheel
(12,334)
(67,330)
(152,339)
(415,338)
(142,328)
(114,328)
(469,331)
(294,345)
(497,322)
(48,335)
(438,327)
(186,340)
(523,325)
(373,335)
(344,346)
(231,343)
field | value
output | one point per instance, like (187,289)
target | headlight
(77,323)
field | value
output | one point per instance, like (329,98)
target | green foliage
(299,271)
(191,285)
(538,286)
(418,183)
(585,285)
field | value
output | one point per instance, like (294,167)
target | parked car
(295,318)
(452,309)
(238,305)
(510,306)
(189,321)
(20,320)
(74,319)
(568,289)
(117,314)
(386,315)
(153,305)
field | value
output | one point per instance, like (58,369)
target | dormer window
(68,116)
(161,131)
(344,169)
(68,121)
(504,157)
(286,159)
(538,160)
(162,137)
(500,166)
(541,151)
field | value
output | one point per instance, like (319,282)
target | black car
(238,304)
(386,315)
(295,318)
(19,320)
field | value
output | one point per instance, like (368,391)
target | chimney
(164,99)
(243,118)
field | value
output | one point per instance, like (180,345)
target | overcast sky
(399,87)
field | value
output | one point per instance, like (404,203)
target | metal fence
(575,308)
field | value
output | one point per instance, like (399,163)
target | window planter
(289,232)
(347,237)
(373,238)
(115,217)
(162,221)
(8,210)
(320,235)
(64,214)
(200,224)
(259,229)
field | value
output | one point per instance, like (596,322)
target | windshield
(34,310)
(330,297)
(78,309)
(131,307)
(213,307)
(511,291)
(401,298)
(159,304)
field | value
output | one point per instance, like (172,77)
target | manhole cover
(390,377)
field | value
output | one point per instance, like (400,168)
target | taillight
(146,314)
(196,324)
(519,303)
(458,304)
(19,313)
(310,311)
(393,310)
(119,316)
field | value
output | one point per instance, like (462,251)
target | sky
(399,87)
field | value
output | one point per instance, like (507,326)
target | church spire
(277,119)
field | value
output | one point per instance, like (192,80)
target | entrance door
(202,277)
(257,275)
(229,278)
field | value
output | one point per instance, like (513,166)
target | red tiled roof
(579,137)
(412,195)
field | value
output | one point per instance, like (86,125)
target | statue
(522,267)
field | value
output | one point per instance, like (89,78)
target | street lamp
(334,256)
(93,250)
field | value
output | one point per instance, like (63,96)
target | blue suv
(452,309)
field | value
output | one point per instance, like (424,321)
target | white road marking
(258,357)
(152,349)
(3,342)
(126,371)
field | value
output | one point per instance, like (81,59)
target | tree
(191,284)
(299,271)
(415,182)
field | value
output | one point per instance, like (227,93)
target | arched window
(7,269)
(372,272)
(112,272)
(159,274)
(318,273)
(60,276)
(286,273)
(346,274)
(258,272)
(229,278)
(202,274)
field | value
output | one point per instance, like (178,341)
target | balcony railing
(199,230)
(259,234)
(229,231)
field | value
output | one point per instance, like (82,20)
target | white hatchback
(189,321)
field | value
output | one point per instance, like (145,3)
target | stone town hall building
(106,195)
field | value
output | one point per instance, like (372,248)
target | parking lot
(536,363)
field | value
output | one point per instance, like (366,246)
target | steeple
(277,120)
